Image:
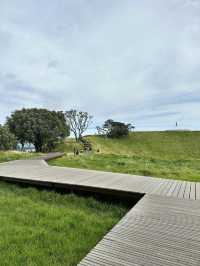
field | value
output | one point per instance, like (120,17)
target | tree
(78,122)
(114,129)
(7,139)
(41,127)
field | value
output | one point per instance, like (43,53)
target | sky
(131,61)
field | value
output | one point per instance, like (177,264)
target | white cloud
(133,60)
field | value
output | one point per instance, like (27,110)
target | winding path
(163,228)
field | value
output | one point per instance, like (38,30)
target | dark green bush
(114,129)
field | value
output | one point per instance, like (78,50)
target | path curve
(163,228)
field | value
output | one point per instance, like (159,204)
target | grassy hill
(168,145)
(162,154)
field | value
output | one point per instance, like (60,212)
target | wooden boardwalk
(156,231)
(163,228)
(39,172)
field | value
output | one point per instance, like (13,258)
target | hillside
(170,145)
(162,154)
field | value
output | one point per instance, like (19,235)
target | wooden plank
(193,191)
(177,189)
(167,187)
(187,190)
(51,155)
(198,191)
(172,188)
(182,190)
(158,188)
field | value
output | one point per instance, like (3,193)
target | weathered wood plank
(187,190)
(193,191)
(172,188)
(177,189)
(198,191)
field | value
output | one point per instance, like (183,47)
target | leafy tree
(78,122)
(114,129)
(41,127)
(7,139)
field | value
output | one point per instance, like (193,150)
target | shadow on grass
(115,197)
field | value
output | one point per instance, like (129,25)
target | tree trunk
(22,148)
(76,137)
(38,147)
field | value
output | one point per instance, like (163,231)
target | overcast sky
(133,61)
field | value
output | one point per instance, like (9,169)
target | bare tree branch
(78,121)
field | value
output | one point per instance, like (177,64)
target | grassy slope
(163,154)
(47,228)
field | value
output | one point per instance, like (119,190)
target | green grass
(173,155)
(6,156)
(68,147)
(47,228)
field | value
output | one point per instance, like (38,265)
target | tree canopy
(41,127)
(114,129)
(7,139)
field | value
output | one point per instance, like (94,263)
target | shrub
(114,129)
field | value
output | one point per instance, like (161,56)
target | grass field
(173,155)
(47,228)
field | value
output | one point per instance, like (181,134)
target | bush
(7,139)
(113,129)
(118,130)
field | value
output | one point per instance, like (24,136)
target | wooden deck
(39,172)
(163,228)
(156,231)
